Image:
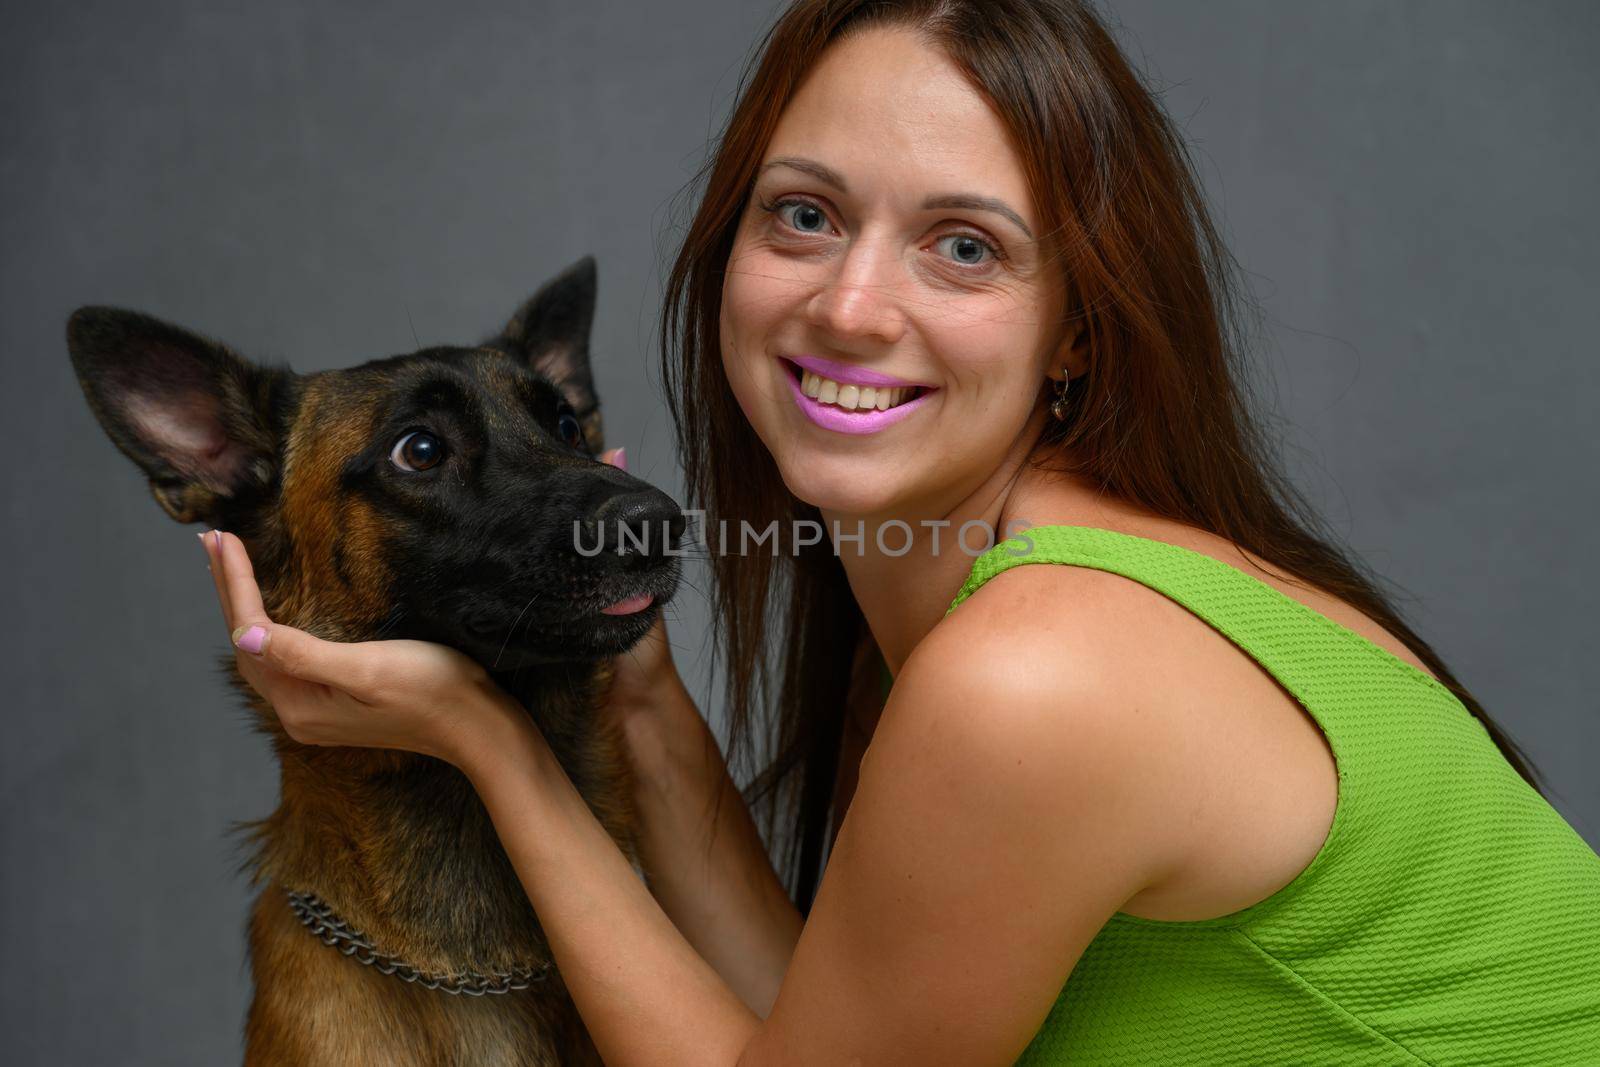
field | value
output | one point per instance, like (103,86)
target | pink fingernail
(216,539)
(250,638)
(620,460)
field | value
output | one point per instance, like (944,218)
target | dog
(442,495)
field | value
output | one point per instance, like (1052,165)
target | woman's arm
(704,857)
(644,992)
(713,876)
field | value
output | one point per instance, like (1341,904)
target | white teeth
(852,397)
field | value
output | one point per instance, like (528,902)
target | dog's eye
(417,451)
(569,427)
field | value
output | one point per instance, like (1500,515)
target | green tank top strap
(1298,646)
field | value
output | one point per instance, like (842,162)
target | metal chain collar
(331,930)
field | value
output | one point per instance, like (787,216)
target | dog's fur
(476,552)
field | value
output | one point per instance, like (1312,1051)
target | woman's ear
(195,417)
(1072,344)
(1072,350)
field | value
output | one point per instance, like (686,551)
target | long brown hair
(1162,418)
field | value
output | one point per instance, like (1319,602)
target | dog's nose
(640,524)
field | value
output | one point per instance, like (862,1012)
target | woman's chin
(841,488)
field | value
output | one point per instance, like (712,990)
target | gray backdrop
(1411,186)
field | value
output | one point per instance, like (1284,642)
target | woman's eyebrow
(973,202)
(960,201)
(825,175)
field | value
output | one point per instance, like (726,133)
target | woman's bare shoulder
(1056,673)
(1241,774)
(1065,625)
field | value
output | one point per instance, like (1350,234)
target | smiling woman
(1197,794)
(984,201)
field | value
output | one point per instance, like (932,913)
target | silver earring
(1058,406)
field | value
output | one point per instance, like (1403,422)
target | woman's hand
(411,695)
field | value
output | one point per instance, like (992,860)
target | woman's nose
(860,300)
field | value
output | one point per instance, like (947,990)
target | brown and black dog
(442,495)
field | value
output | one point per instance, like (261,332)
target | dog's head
(451,494)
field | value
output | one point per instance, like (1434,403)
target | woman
(1235,798)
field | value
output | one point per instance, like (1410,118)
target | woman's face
(889,237)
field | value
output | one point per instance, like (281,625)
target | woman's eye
(968,250)
(417,451)
(570,429)
(802,215)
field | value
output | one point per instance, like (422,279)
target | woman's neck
(904,596)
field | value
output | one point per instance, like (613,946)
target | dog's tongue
(629,606)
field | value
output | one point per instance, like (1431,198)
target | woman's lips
(837,419)
(846,374)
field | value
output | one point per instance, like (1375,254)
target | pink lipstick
(839,420)
(845,374)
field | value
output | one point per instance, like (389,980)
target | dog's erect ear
(551,331)
(196,418)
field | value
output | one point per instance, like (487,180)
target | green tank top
(1451,916)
